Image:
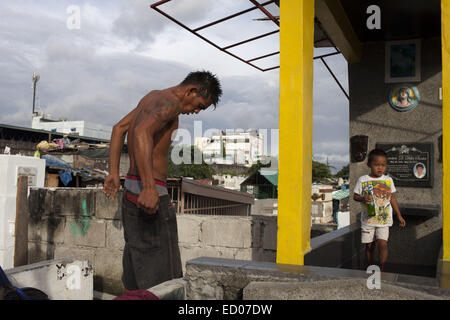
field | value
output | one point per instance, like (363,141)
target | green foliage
(344,172)
(255,168)
(196,171)
(320,171)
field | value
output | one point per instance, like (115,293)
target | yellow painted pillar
(445,34)
(296,117)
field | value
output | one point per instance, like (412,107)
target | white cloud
(124,49)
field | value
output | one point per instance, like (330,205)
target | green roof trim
(271,176)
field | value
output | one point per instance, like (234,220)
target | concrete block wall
(82,223)
(79,223)
(243,238)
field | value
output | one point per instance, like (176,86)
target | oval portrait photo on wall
(404,97)
(419,170)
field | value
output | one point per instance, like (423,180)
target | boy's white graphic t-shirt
(379,212)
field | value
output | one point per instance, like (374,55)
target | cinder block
(257,231)
(114,235)
(188,229)
(40,251)
(48,229)
(108,263)
(77,253)
(85,232)
(38,203)
(244,254)
(74,202)
(191,252)
(106,208)
(270,235)
(227,232)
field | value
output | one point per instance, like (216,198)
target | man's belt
(130,196)
(137,178)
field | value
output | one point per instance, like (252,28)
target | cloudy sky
(123,49)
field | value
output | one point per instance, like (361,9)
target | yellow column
(295,145)
(445,33)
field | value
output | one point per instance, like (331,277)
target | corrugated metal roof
(40,131)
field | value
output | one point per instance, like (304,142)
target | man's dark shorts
(151,254)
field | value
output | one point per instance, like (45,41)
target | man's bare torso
(161,139)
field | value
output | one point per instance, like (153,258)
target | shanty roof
(270,175)
(14,131)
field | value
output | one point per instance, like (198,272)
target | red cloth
(137,295)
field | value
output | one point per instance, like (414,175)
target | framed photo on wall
(402,61)
(404,97)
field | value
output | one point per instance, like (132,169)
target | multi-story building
(82,128)
(242,148)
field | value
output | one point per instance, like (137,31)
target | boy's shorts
(368,233)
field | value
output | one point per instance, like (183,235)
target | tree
(320,171)
(196,171)
(256,167)
(344,172)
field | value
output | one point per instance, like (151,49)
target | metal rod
(264,56)
(271,68)
(201,37)
(337,81)
(231,16)
(327,55)
(267,13)
(34,94)
(251,39)
(158,3)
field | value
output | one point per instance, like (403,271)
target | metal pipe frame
(259,6)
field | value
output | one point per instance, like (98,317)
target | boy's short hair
(374,153)
(420,165)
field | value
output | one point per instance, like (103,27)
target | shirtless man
(151,254)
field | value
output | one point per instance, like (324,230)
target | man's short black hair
(207,83)
(376,152)
(420,165)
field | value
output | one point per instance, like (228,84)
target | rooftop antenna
(35,77)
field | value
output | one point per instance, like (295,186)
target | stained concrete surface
(347,289)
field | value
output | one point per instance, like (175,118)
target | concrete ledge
(338,249)
(103,296)
(348,289)
(225,279)
(170,290)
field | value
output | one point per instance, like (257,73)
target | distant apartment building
(242,148)
(83,128)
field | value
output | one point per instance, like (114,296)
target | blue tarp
(54,161)
(65,176)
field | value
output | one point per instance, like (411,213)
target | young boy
(376,194)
